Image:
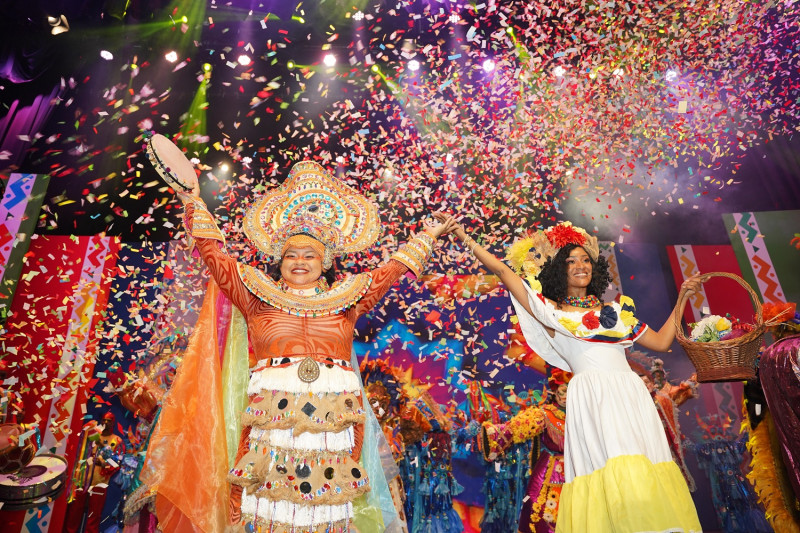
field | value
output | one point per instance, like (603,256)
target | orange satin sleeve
(221,266)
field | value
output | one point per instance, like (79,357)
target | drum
(38,483)
(171,164)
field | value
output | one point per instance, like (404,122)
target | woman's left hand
(692,284)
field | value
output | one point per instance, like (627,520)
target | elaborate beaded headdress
(312,202)
(529,254)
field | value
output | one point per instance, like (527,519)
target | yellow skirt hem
(629,494)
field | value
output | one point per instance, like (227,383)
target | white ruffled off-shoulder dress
(620,475)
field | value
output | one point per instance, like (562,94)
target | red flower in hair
(563,234)
(558,377)
(591,321)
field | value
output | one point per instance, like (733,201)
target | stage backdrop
(84,303)
(50,347)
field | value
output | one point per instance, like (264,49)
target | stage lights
(488,65)
(329,60)
(105,54)
(358,15)
(290,64)
(171,56)
(618,72)
(206,67)
(375,68)
(559,71)
(244,60)
(671,75)
(413,65)
(454,18)
(58,24)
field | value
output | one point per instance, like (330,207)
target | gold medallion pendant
(308,370)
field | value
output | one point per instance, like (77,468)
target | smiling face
(579,272)
(301,266)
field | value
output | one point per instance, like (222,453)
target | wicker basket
(729,360)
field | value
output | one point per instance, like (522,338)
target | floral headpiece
(529,254)
(557,378)
(311,201)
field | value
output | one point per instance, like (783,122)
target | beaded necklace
(316,287)
(586,302)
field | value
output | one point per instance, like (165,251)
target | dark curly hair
(553,275)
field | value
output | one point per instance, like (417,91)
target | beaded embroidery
(416,252)
(586,302)
(339,298)
(312,201)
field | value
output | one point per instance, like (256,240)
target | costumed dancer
(298,465)
(418,433)
(141,395)
(505,477)
(720,453)
(545,423)
(384,391)
(619,472)
(427,471)
(102,452)
(668,397)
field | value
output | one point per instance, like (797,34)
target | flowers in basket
(713,328)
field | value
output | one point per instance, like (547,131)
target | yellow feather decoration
(518,252)
(773,492)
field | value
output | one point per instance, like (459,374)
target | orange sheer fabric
(187,459)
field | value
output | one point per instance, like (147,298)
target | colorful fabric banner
(51,339)
(19,212)
(768,261)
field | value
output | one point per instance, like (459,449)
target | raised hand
(458,229)
(446,224)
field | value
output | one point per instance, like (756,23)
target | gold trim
(312,197)
(340,297)
(203,225)
(416,252)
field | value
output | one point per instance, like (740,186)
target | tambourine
(171,163)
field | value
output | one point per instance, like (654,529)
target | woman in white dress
(620,475)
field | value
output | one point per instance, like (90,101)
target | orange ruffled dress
(298,460)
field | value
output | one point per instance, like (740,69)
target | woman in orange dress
(297,468)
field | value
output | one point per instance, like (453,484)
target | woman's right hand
(446,225)
(187,196)
(455,226)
